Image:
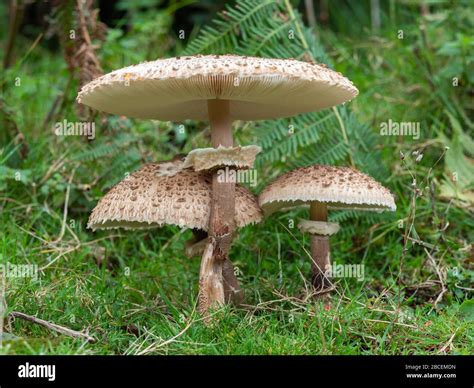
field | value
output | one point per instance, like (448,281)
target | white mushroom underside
(178,89)
(256,98)
(278,205)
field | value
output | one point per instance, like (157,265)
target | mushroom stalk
(320,251)
(232,291)
(213,288)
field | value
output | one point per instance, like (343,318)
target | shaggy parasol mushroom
(161,194)
(220,89)
(323,188)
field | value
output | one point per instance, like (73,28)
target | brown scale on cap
(147,199)
(339,187)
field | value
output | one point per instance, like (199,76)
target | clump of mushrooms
(322,188)
(219,89)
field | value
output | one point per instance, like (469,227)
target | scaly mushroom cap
(338,187)
(152,197)
(178,88)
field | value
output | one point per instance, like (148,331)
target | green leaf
(460,167)
(466,310)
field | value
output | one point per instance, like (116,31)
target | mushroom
(322,188)
(220,89)
(153,197)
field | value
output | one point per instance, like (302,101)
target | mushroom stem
(320,251)
(232,291)
(221,222)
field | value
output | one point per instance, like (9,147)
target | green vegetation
(135,292)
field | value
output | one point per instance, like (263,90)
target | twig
(280,268)
(60,255)
(449,343)
(52,111)
(423,243)
(52,326)
(6,199)
(66,203)
(391,323)
(16,15)
(153,347)
(32,47)
(310,14)
(289,7)
(171,241)
(440,277)
(321,331)
(463,288)
(344,134)
(53,168)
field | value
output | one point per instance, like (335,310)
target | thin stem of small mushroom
(222,222)
(320,250)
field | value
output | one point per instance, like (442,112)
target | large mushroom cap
(178,88)
(338,187)
(150,198)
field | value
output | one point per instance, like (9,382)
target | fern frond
(330,150)
(231,26)
(127,161)
(285,137)
(101,150)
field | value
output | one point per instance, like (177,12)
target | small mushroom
(323,188)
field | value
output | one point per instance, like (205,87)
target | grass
(135,292)
(156,301)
